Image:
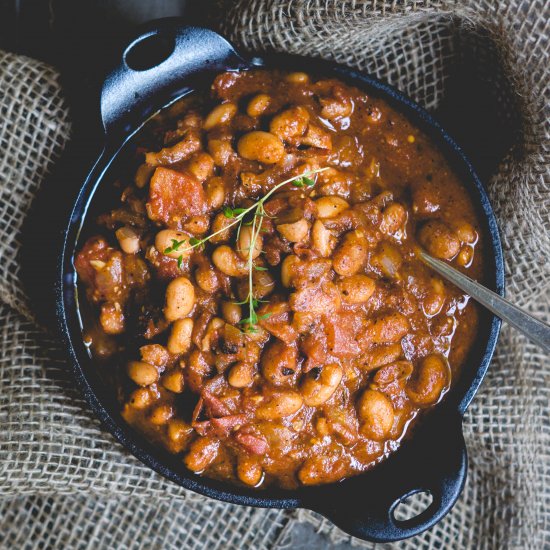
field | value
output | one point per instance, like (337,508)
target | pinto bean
(231,312)
(297,78)
(330,207)
(215,192)
(201,165)
(228,262)
(392,372)
(387,329)
(279,364)
(221,151)
(376,413)
(173,380)
(128,240)
(322,239)
(387,259)
(294,232)
(318,390)
(290,124)
(155,354)
(356,289)
(394,217)
(168,239)
(351,255)
(140,399)
(244,244)
(287,269)
(161,415)
(429,381)
(221,229)
(436,237)
(241,375)
(381,355)
(180,337)
(250,471)
(280,405)
(261,146)
(220,114)
(258,105)
(143,374)
(180,299)
(202,452)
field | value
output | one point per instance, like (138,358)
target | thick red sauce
(355,336)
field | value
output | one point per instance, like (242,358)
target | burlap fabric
(483,65)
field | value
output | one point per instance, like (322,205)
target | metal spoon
(535,330)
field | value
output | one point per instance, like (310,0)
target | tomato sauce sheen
(349,337)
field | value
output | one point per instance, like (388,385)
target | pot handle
(156,67)
(434,462)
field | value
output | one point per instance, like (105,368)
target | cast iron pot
(166,61)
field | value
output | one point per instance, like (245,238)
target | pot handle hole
(408,494)
(156,67)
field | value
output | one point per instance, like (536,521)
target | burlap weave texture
(55,461)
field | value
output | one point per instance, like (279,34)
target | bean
(279,364)
(201,166)
(250,471)
(220,222)
(316,137)
(197,225)
(465,256)
(428,383)
(155,354)
(388,259)
(356,289)
(336,108)
(435,298)
(206,278)
(173,381)
(287,269)
(180,337)
(392,372)
(143,374)
(213,326)
(330,207)
(215,192)
(161,415)
(140,399)
(297,78)
(376,412)
(394,217)
(465,232)
(165,240)
(228,262)
(244,244)
(221,114)
(258,105)
(381,355)
(280,405)
(351,255)
(221,151)
(436,237)
(111,318)
(317,391)
(179,430)
(294,232)
(388,329)
(322,239)
(180,299)
(202,452)
(241,375)
(261,146)
(290,124)
(231,312)
(128,240)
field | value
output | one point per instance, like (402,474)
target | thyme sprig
(238,215)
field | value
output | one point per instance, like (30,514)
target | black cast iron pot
(168,60)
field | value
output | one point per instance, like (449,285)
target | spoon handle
(535,330)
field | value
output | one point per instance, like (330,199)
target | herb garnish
(238,215)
